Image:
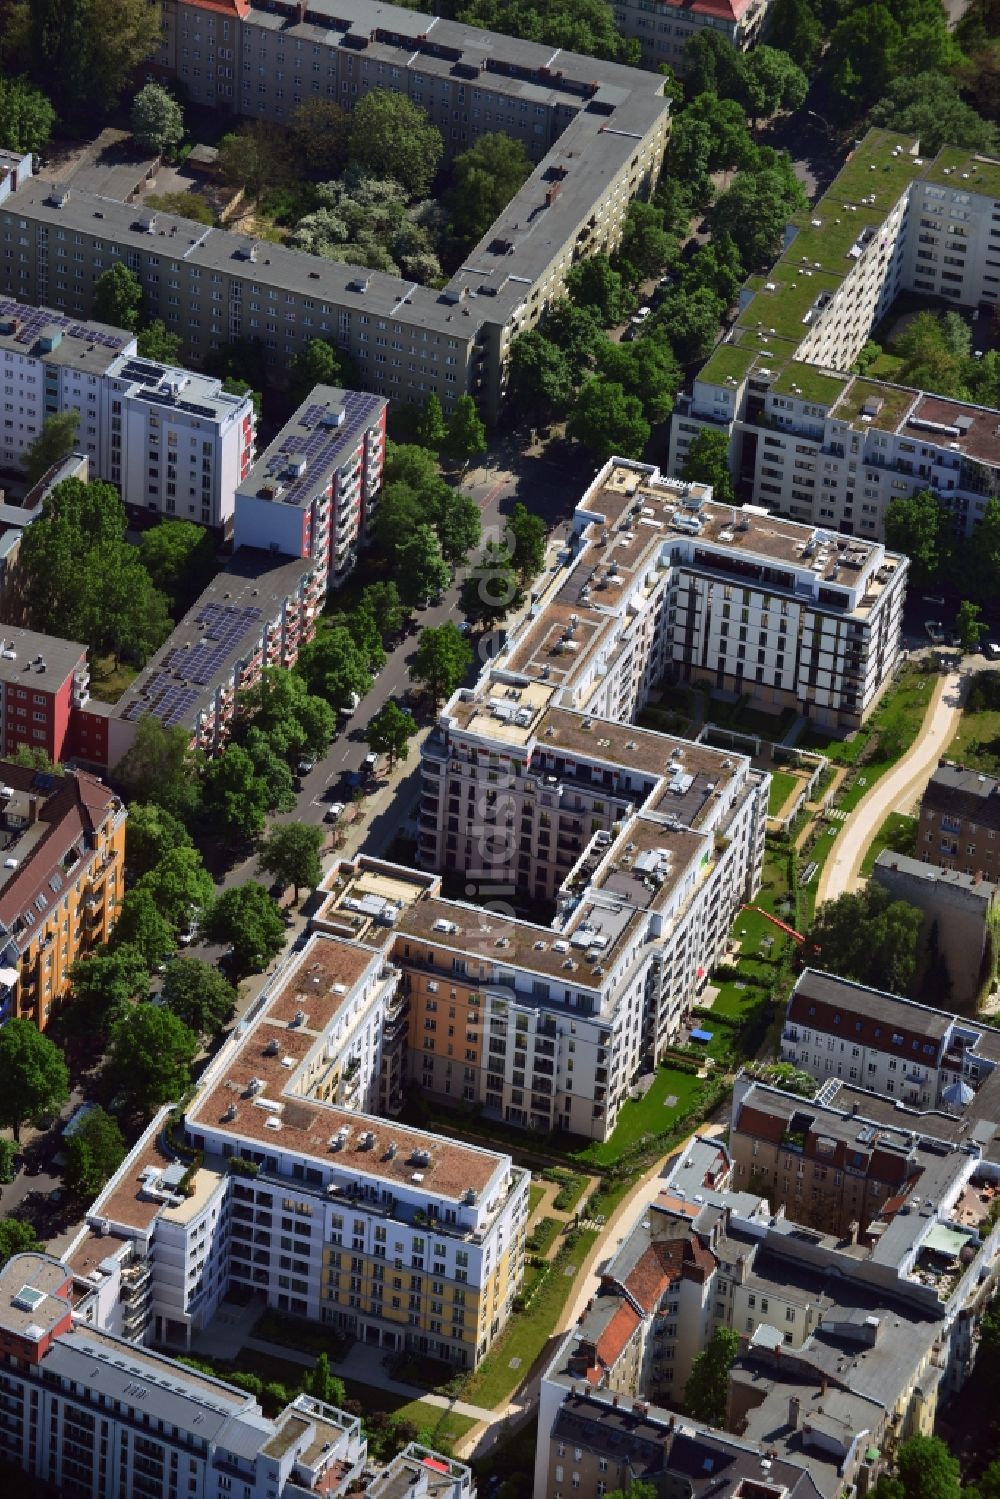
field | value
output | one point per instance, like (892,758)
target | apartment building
(91,1415)
(290,1187)
(43,679)
(960,822)
(173,442)
(807,436)
(256,613)
(663,28)
(14,167)
(597,131)
(847,1343)
(313,493)
(61,884)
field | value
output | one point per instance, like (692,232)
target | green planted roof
(806,382)
(728,362)
(955,167)
(896,401)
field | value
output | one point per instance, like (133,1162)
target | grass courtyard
(649,1115)
(898,833)
(783,783)
(977,742)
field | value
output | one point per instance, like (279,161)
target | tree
(325,1386)
(26,116)
(334,667)
(458,524)
(317,363)
(868,937)
(179,557)
(236,798)
(466,435)
(382,600)
(919,527)
(541,380)
(295,720)
(772,81)
(608,421)
(756,207)
(87,50)
(389,733)
(155,341)
(258,156)
(16,1237)
(442,658)
(586,26)
(103,984)
(150,1057)
(180,885)
(55,441)
(969,626)
(290,855)
(707,462)
(925,1469)
(430,424)
(930,108)
(94,1151)
(577,332)
(320,131)
(493,587)
(801,33)
(118,297)
(645,245)
(199,995)
(712,65)
(141,925)
(160,766)
(35,1079)
(8,1159)
(707,1389)
(157,119)
(423,572)
(248,920)
(392,137)
(645,368)
(525,534)
(595,284)
(271,768)
(234,386)
(483,180)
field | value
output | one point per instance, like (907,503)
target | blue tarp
(701,1035)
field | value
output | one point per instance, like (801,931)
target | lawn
(527,1333)
(648,1115)
(897,720)
(977,743)
(445,1427)
(571,1189)
(535,1195)
(735,999)
(898,833)
(543,1235)
(783,783)
(740,717)
(108,681)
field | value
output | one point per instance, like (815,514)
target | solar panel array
(34,319)
(225,626)
(321,445)
(167,700)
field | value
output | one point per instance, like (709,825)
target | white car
(642,315)
(334,812)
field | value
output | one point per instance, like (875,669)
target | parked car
(370,767)
(334,812)
(305,766)
(991,650)
(935,631)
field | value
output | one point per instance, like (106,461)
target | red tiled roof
(725,10)
(617,1333)
(239,8)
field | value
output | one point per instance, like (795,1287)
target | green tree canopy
(157,119)
(393,137)
(920,527)
(525,538)
(389,733)
(179,557)
(16,1237)
(577,332)
(707,462)
(26,115)
(94,1152)
(423,572)
(383,602)
(270,767)
(608,421)
(466,435)
(586,26)
(118,297)
(180,885)
(540,385)
(296,721)
(430,424)
(290,854)
(868,937)
(320,132)
(493,587)
(483,180)
(35,1079)
(86,51)
(103,984)
(317,363)
(335,667)
(442,658)
(248,920)
(772,81)
(55,441)
(929,107)
(707,1389)
(258,157)
(160,767)
(236,798)
(645,368)
(969,625)
(155,341)
(149,1060)
(754,210)
(199,995)
(797,26)
(595,284)
(925,1469)
(645,247)
(142,927)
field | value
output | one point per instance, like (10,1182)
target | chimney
(614,1402)
(32,810)
(854,1231)
(793,1412)
(822,1385)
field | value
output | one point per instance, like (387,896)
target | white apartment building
(287,1186)
(811,439)
(174,443)
(314,492)
(663,28)
(92,1416)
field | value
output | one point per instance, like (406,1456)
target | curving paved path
(897,790)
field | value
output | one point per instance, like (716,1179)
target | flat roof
(30,659)
(40,333)
(322,433)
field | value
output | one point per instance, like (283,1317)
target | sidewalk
(897,790)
